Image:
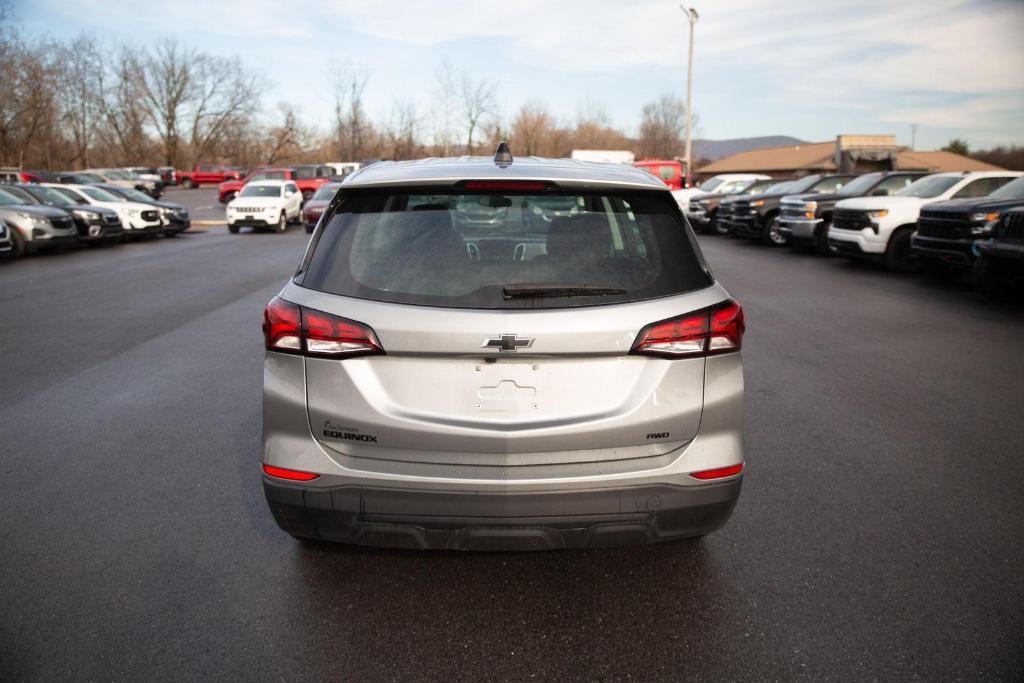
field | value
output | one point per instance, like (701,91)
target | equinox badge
(507,342)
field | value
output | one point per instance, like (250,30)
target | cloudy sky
(807,68)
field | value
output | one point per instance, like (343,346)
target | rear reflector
(294,475)
(718,473)
(507,185)
(291,328)
(714,330)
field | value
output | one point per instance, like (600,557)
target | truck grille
(1012,229)
(850,219)
(943,225)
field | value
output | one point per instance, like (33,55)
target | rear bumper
(530,520)
(950,252)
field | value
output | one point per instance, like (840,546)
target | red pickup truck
(309,178)
(206,174)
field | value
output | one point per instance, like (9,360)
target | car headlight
(984,217)
(878,213)
(810,209)
(757,202)
(87,215)
(34,219)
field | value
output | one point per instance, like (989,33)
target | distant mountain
(719,149)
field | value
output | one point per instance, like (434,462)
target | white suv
(265,204)
(138,219)
(725,183)
(880,227)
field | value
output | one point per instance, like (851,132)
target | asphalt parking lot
(880,533)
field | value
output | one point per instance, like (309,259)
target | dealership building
(847,154)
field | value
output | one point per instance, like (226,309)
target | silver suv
(437,378)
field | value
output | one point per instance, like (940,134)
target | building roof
(820,157)
(449,171)
(788,158)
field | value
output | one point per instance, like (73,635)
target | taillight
(710,332)
(291,328)
(294,475)
(718,472)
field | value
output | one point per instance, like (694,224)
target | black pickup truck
(804,221)
(702,211)
(999,267)
(757,218)
(946,231)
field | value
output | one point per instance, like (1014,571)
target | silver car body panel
(442,413)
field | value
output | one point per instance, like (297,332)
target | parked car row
(42,216)
(944,223)
(150,183)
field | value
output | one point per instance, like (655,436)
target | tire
(988,280)
(720,229)
(898,255)
(306,196)
(233,228)
(310,228)
(282,224)
(18,247)
(228,197)
(771,236)
(821,239)
(188,184)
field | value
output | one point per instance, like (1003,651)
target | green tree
(957,146)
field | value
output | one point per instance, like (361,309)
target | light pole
(691,15)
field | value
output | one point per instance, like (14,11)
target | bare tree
(593,129)
(479,101)
(401,131)
(284,139)
(167,82)
(661,128)
(223,93)
(351,126)
(80,78)
(443,112)
(123,108)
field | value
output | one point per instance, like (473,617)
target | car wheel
(821,244)
(228,197)
(282,224)
(189,184)
(721,228)
(899,257)
(771,236)
(989,281)
(233,228)
(306,196)
(18,247)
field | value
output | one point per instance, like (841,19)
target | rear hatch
(506,342)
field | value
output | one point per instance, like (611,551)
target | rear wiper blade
(531,291)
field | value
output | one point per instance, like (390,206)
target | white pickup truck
(725,183)
(880,228)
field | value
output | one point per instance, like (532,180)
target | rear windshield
(505,251)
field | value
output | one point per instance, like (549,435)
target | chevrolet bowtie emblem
(507,342)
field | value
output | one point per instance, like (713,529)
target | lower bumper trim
(539,520)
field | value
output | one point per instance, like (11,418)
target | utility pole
(691,15)
(913,136)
